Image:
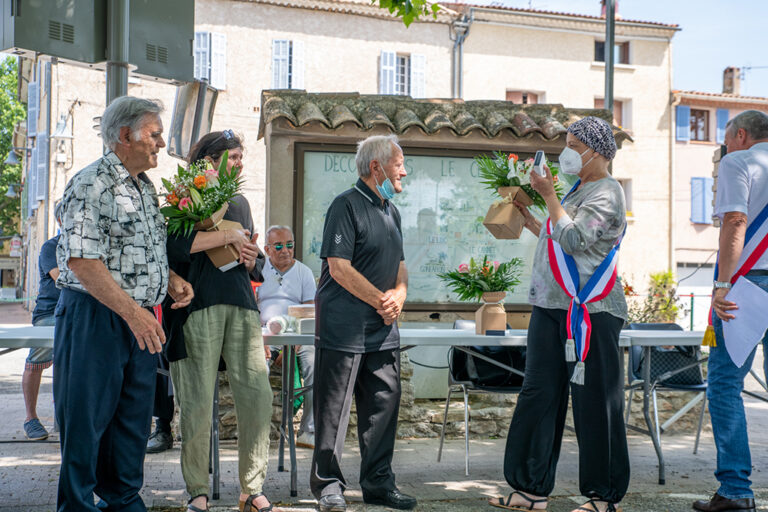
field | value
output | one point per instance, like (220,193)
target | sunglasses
(279,247)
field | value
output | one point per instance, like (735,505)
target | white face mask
(570,160)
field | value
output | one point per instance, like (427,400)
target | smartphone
(538,163)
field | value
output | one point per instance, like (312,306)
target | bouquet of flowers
(471,281)
(198,193)
(506,170)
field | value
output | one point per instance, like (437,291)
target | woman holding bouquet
(573,287)
(222,322)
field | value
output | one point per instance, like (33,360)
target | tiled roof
(401,113)
(359,7)
(458,6)
(722,95)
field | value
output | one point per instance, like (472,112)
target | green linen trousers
(234,333)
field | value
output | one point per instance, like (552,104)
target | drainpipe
(672,174)
(460,31)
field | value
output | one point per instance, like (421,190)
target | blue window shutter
(683,123)
(697,200)
(722,119)
(709,197)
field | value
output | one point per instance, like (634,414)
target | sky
(715,34)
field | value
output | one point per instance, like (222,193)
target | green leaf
(168,185)
(196,197)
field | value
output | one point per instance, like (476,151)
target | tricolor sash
(755,245)
(597,288)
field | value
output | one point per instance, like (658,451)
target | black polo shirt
(359,227)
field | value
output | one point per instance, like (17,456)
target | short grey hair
(278,227)
(754,122)
(126,111)
(377,147)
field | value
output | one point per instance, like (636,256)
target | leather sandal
(249,506)
(192,508)
(594,508)
(501,502)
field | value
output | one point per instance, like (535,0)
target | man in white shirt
(288,282)
(742,206)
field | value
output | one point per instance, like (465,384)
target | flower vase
(491,315)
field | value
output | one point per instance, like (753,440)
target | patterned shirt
(107,215)
(596,219)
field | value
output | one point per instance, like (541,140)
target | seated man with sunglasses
(288,282)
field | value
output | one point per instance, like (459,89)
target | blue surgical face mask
(386,189)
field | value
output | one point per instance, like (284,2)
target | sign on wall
(441,206)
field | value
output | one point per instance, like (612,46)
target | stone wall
(490,413)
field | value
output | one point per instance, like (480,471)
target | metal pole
(610,30)
(117,48)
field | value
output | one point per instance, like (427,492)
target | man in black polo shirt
(362,288)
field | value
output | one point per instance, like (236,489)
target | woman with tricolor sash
(573,335)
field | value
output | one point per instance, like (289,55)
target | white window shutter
(42,166)
(33,108)
(31,185)
(203,55)
(219,60)
(418,75)
(387,63)
(280,63)
(297,65)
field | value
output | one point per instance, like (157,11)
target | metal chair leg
(701,423)
(656,416)
(466,430)
(629,408)
(445,422)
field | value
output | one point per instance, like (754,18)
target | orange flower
(513,157)
(172,199)
(200,181)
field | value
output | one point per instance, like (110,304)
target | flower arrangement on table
(506,170)
(198,193)
(488,281)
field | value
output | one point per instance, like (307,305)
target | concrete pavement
(29,471)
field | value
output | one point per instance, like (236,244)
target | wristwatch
(723,284)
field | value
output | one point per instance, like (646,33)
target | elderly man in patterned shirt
(112,269)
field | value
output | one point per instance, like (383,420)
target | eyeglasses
(279,247)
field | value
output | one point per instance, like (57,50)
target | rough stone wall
(490,413)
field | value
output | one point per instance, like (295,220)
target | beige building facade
(246,46)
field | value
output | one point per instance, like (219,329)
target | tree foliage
(409,10)
(661,305)
(11,112)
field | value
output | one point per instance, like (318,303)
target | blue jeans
(726,408)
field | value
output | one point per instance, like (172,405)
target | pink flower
(185,204)
(495,266)
(211,173)
(464,268)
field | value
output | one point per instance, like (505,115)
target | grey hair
(377,147)
(126,111)
(278,227)
(754,122)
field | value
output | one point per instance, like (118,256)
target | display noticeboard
(441,207)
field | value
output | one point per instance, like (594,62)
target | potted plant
(488,282)
(510,178)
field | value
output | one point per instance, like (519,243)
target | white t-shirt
(742,186)
(278,292)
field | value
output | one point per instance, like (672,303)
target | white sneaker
(306,440)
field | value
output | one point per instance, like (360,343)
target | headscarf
(596,134)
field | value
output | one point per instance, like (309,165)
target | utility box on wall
(72,31)
(161,34)
(161,37)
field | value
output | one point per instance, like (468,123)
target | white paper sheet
(747,329)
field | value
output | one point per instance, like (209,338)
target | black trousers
(103,386)
(163,407)
(374,380)
(536,432)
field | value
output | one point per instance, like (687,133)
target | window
(699,124)
(626,185)
(287,64)
(620,52)
(403,74)
(523,97)
(701,200)
(211,58)
(722,120)
(622,112)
